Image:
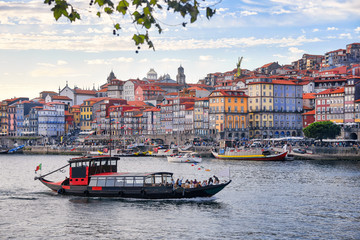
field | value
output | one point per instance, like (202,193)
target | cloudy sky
(37,53)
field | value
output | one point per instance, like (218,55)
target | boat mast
(110,136)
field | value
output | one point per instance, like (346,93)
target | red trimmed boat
(97,176)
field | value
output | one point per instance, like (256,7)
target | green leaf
(117,26)
(138,38)
(209,12)
(146,11)
(108,10)
(122,7)
(100,2)
(147,23)
(153,2)
(98,14)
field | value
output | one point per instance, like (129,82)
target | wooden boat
(17,149)
(189,157)
(97,176)
(253,156)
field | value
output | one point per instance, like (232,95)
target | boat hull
(260,157)
(161,192)
(180,159)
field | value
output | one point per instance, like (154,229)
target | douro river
(266,200)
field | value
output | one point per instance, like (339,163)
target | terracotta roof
(309,96)
(331,91)
(85,92)
(197,88)
(137,103)
(103,90)
(283,82)
(231,93)
(312,112)
(267,65)
(153,109)
(61,98)
(172,94)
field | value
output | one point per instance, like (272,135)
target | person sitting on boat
(216,180)
(195,183)
(210,181)
(204,184)
(191,184)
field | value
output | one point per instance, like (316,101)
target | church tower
(111,77)
(180,77)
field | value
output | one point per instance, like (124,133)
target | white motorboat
(191,157)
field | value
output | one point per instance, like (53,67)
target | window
(93,182)
(129,181)
(110,181)
(139,181)
(101,182)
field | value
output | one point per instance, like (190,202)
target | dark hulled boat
(97,176)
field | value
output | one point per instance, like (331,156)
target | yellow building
(261,106)
(228,111)
(86,113)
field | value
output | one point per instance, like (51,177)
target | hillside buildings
(272,101)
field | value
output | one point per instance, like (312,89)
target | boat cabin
(83,167)
(158,179)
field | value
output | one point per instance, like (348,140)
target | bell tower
(180,77)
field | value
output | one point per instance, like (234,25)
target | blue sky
(39,54)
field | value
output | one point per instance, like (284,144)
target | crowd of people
(195,184)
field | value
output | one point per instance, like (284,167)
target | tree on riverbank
(142,13)
(322,130)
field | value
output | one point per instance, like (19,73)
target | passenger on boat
(216,180)
(210,181)
(204,184)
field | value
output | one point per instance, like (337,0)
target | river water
(266,200)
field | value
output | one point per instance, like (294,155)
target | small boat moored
(250,155)
(189,157)
(97,176)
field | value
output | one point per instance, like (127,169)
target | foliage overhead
(322,130)
(140,11)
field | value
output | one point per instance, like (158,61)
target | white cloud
(295,50)
(357,30)
(61,62)
(109,61)
(205,58)
(46,64)
(345,35)
(315,30)
(281,11)
(248,13)
(332,28)
(165,60)
(279,56)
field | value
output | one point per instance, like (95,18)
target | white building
(77,95)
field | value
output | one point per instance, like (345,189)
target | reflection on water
(266,200)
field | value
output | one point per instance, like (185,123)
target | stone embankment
(327,153)
(53,151)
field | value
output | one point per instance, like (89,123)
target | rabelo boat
(97,176)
